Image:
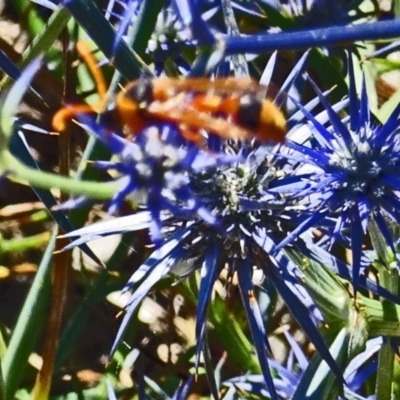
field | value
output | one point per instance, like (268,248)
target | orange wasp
(231,108)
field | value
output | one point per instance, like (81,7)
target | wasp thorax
(141,91)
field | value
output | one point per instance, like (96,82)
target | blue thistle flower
(356,164)
(168,41)
(131,8)
(251,222)
(155,169)
(288,377)
(245,221)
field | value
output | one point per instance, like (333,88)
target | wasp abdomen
(262,117)
(249,112)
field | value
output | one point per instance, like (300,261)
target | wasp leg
(91,63)
(65,114)
(192,136)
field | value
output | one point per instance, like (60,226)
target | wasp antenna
(87,55)
(63,115)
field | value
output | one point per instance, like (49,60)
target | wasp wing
(194,120)
(222,86)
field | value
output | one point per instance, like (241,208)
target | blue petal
(392,180)
(391,205)
(354,106)
(244,271)
(338,227)
(387,129)
(157,257)
(364,107)
(113,142)
(138,221)
(157,268)
(296,349)
(300,313)
(183,390)
(209,274)
(119,197)
(380,221)
(340,128)
(364,211)
(306,224)
(323,135)
(191,15)
(130,10)
(357,236)
(158,272)
(266,76)
(339,267)
(311,156)
(291,78)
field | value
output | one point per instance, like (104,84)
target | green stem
(385,373)
(229,331)
(23,243)
(29,324)
(382,316)
(388,312)
(18,172)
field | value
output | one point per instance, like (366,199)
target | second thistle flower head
(156,168)
(239,195)
(168,41)
(356,165)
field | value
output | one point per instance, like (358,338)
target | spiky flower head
(355,165)
(213,208)
(168,41)
(155,168)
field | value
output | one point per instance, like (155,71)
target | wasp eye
(141,92)
(249,111)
